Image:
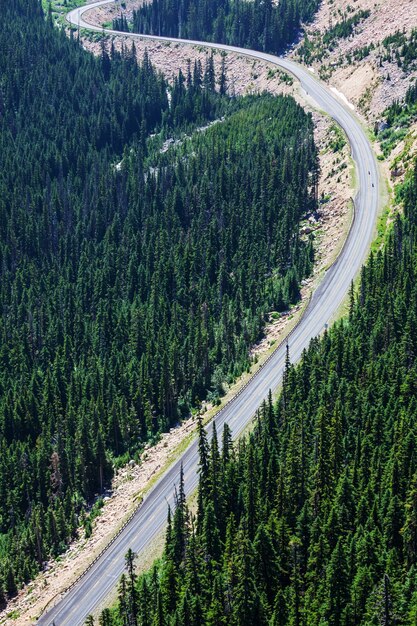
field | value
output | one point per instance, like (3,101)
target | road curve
(89,593)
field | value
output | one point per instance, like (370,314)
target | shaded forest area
(312,519)
(133,278)
(260,25)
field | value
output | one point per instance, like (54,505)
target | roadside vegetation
(59,8)
(397,121)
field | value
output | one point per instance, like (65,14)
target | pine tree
(223,78)
(409,531)
(132,594)
(337,586)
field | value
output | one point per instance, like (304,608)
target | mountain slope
(132,285)
(361,49)
(313,518)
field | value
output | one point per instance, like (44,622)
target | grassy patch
(60,8)
(13,615)
(337,138)
(382,227)
(283,76)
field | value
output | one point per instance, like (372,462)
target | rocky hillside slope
(366,49)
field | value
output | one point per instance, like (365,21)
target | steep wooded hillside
(260,25)
(313,518)
(134,276)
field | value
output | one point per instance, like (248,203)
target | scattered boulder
(382,125)
(397,171)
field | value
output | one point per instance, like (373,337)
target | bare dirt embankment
(105,14)
(329,226)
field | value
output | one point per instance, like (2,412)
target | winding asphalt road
(90,592)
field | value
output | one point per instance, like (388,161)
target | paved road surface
(82,599)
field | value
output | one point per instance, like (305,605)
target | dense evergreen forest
(134,273)
(260,25)
(312,519)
